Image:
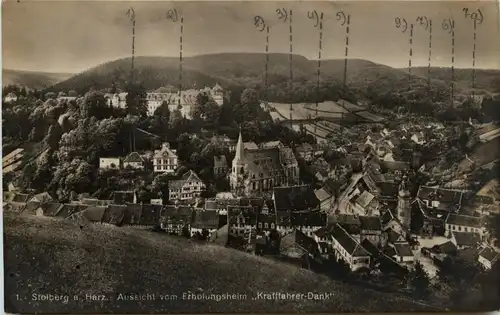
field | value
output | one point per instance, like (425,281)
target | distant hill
(247,69)
(32,79)
(487,80)
(43,255)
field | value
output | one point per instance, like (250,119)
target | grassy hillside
(32,79)
(47,256)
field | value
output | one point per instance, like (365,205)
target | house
(123,197)
(440,198)
(463,240)
(242,218)
(490,189)
(17,202)
(284,222)
(488,257)
(223,142)
(403,253)
(371,229)
(134,160)
(297,245)
(94,214)
(345,247)
(41,198)
(165,160)
(418,138)
(326,199)
(190,186)
(205,221)
(363,204)
(295,198)
(305,151)
(394,236)
(266,222)
(177,219)
(11,97)
(464,223)
(132,214)
(308,222)
(271,144)
(68,210)
(220,165)
(221,236)
(250,146)
(109,163)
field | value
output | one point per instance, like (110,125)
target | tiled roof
(250,146)
(348,242)
(186,177)
(365,199)
(445,248)
(370,223)
(94,213)
(403,249)
(295,198)
(299,238)
(220,161)
(50,209)
(443,195)
(133,158)
(206,220)
(122,197)
(489,254)
(20,197)
(263,163)
(393,236)
(164,153)
(150,214)
(132,214)
(464,220)
(466,238)
(114,214)
(370,247)
(271,144)
(386,217)
(314,219)
(69,209)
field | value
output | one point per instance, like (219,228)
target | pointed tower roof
(239,148)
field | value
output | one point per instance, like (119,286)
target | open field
(43,255)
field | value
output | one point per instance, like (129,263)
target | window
(260,225)
(266,225)
(466,229)
(460,228)
(272,225)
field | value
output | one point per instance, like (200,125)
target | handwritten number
(258,21)
(131,14)
(313,15)
(401,24)
(172,15)
(341,17)
(448,25)
(423,21)
(282,14)
(475,16)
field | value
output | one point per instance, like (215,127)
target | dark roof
(188,176)
(150,214)
(206,220)
(31,207)
(122,197)
(388,189)
(114,214)
(173,213)
(50,209)
(466,238)
(403,249)
(132,214)
(133,157)
(348,242)
(370,247)
(69,209)
(316,219)
(266,217)
(94,213)
(393,236)
(349,222)
(20,197)
(445,248)
(295,198)
(90,201)
(464,220)
(386,217)
(370,223)
(448,196)
(489,254)
(247,213)
(283,218)
(299,238)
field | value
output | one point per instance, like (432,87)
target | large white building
(165,160)
(183,101)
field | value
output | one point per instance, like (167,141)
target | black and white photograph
(250,156)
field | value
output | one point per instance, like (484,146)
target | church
(261,169)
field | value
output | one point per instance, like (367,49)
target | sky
(71,36)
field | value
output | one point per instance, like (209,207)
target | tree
(136,103)
(53,136)
(160,120)
(94,104)
(50,95)
(419,281)
(160,187)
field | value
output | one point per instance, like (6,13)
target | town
(379,197)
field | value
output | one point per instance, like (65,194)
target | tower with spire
(404,204)
(236,179)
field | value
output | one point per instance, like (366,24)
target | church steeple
(239,148)
(404,204)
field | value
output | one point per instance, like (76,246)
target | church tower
(404,204)
(238,167)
